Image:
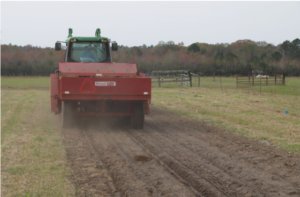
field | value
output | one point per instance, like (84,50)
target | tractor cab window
(88,52)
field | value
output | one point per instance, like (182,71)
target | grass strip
(292,85)
(257,116)
(25,82)
(33,158)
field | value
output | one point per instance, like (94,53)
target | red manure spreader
(88,83)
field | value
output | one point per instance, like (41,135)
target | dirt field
(175,156)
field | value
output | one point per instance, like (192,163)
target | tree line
(224,59)
(29,60)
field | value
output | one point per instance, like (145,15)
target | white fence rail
(171,76)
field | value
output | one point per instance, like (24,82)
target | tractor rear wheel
(126,121)
(67,114)
(138,115)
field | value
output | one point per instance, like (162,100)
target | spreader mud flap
(54,93)
(138,115)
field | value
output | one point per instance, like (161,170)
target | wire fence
(259,79)
(172,76)
(291,85)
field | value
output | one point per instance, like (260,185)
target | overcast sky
(138,23)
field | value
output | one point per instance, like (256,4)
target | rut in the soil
(176,156)
(135,178)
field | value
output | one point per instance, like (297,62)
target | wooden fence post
(249,78)
(158,80)
(275,78)
(181,80)
(191,79)
(198,80)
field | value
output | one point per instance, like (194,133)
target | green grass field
(257,116)
(292,86)
(25,81)
(251,112)
(33,158)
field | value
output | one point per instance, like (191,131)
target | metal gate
(260,79)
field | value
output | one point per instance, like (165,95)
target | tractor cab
(87,49)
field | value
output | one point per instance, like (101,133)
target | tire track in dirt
(204,184)
(164,165)
(170,157)
(90,176)
(217,175)
(252,152)
(135,167)
(127,180)
(256,156)
(244,173)
(110,183)
(134,171)
(228,165)
(153,169)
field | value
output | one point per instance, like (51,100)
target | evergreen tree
(194,48)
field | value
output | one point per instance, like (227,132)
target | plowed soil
(175,156)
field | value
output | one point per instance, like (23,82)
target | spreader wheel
(138,115)
(67,114)
(125,121)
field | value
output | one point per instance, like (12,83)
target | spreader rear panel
(92,88)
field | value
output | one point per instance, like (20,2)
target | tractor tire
(67,115)
(138,115)
(126,121)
